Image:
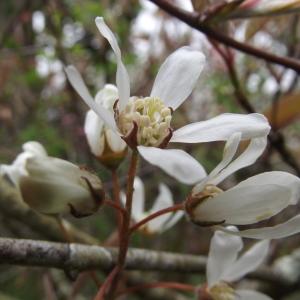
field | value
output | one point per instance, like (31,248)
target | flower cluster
(117,121)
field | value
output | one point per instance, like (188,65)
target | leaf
(287,110)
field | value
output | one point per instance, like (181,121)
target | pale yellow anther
(152,117)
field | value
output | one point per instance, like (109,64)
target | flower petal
(280,178)
(138,199)
(251,295)
(248,262)
(288,228)
(223,252)
(163,200)
(244,205)
(174,162)
(93,128)
(122,78)
(220,128)
(114,141)
(107,97)
(230,149)
(80,87)
(178,76)
(247,158)
(34,148)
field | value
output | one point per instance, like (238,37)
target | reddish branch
(194,20)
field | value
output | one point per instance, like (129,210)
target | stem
(106,284)
(125,230)
(116,197)
(64,230)
(173,208)
(116,206)
(166,285)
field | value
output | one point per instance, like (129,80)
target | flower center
(222,291)
(152,118)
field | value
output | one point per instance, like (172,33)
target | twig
(164,211)
(194,20)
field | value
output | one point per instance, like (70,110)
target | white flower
(224,266)
(255,199)
(163,200)
(145,122)
(17,168)
(51,185)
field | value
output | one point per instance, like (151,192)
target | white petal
(247,158)
(229,151)
(178,76)
(35,148)
(251,295)
(163,200)
(223,252)
(280,178)
(173,220)
(93,128)
(244,205)
(138,200)
(107,97)
(222,127)
(174,162)
(248,262)
(80,87)
(122,78)
(114,141)
(279,231)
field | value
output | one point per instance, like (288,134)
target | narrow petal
(93,129)
(80,87)
(247,158)
(114,141)
(251,295)
(220,128)
(174,162)
(279,231)
(138,199)
(244,205)
(230,149)
(223,252)
(178,76)
(248,262)
(163,200)
(122,78)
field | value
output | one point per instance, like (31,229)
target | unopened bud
(54,186)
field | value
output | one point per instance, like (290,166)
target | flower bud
(196,199)
(105,144)
(53,186)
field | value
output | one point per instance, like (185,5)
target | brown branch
(195,20)
(84,257)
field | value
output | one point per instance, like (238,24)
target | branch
(194,20)
(83,257)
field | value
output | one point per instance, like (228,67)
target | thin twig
(194,20)
(164,211)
